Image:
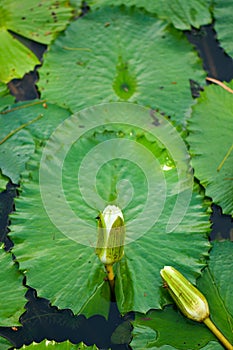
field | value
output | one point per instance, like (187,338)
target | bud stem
(111,277)
(217,333)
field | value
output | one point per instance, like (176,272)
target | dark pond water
(40,319)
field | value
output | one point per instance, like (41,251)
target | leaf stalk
(218,334)
(111,277)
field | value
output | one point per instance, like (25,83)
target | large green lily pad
(210,139)
(169,329)
(11,291)
(111,61)
(40,21)
(116,153)
(182,14)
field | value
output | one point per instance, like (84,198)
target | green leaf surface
(169,327)
(163,328)
(98,304)
(223,24)
(16,59)
(76,4)
(122,334)
(210,139)
(14,155)
(100,51)
(4,344)
(111,153)
(3,182)
(213,345)
(21,126)
(52,345)
(182,14)
(11,291)
(217,285)
(40,21)
(5,98)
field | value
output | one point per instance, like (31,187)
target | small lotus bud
(111,235)
(190,301)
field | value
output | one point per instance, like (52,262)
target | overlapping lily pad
(169,329)
(182,14)
(217,284)
(40,21)
(52,345)
(3,182)
(21,126)
(4,344)
(121,54)
(210,139)
(5,98)
(223,24)
(11,291)
(61,265)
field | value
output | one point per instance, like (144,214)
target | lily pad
(4,344)
(173,331)
(210,139)
(99,50)
(98,303)
(16,59)
(40,21)
(182,14)
(213,345)
(5,98)
(11,291)
(223,24)
(217,284)
(111,153)
(52,345)
(3,182)
(167,327)
(23,125)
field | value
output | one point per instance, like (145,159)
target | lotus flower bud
(190,301)
(111,235)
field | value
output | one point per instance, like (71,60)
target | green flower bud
(190,301)
(111,235)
